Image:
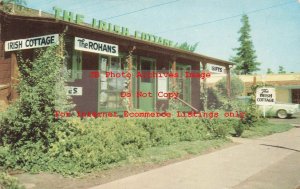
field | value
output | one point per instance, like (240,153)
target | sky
(214,24)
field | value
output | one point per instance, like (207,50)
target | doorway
(296,96)
(146,84)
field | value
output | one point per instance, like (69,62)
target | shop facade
(106,66)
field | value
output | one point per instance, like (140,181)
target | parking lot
(295,119)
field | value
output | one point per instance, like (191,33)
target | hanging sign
(30,43)
(96,47)
(74,91)
(216,69)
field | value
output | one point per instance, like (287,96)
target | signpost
(265,96)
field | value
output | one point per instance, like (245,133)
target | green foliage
(237,86)
(245,58)
(17,2)
(8,5)
(281,70)
(187,47)
(41,88)
(264,128)
(8,182)
(214,100)
(239,128)
(174,104)
(252,115)
(269,71)
(91,144)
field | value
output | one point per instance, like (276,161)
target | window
(74,59)
(110,88)
(183,83)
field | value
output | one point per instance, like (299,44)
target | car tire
(282,114)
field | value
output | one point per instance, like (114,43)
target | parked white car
(281,110)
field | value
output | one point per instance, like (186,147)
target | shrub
(213,99)
(237,86)
(8,182)
(82,146)
(239,128)
(31,116)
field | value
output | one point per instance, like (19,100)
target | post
(129,60)
(1,45)
(263,78)
(228,81)
(173,71)
(14,73)
(204,93)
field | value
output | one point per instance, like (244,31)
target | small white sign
(74,91)
(216,69)
(265,96)
(30,43)
(162,86)
(96,47)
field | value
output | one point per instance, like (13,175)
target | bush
(237,86)
(89,144)
(214,100)
(8,182)
(239,128)
(31,116)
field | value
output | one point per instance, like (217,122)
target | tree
(281,70)
(269,71)
(245,58)
(237,86)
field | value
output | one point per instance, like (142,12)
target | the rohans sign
(96,46)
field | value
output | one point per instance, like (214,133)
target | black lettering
(108,48)
(104,48)
(113,49)
(90,45)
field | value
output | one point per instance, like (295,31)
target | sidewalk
(270,162)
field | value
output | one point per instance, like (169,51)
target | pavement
(271,162)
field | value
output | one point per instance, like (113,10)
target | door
(296,96)
(146,85)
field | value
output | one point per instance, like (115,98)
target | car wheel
(282,114)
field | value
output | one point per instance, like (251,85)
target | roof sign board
(216,69)
(96,47)
(265,96)
(30,43)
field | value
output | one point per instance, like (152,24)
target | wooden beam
(173,71)
(204,86)
(228,82)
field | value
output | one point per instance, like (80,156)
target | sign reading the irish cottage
(265,96)
(96,47)
(108,27)
(30,43)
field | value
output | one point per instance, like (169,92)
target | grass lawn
(178,150)
(150,158)
(266,129)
